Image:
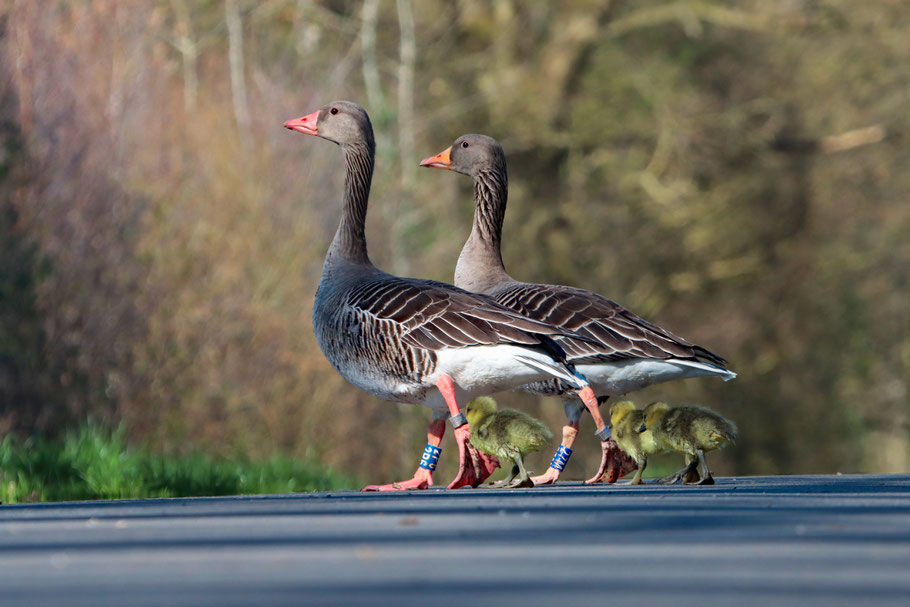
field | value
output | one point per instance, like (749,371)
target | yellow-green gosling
(506,433)
(691,430)
(626,419)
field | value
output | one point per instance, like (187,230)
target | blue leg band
(561,458)
(430,457)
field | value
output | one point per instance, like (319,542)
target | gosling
(506,433)
(626,419)
(690,430)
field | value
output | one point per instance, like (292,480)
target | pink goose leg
(614,463)
(474,467)
(423,478)
(549,477)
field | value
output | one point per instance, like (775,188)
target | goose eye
(334,110)
(464,144)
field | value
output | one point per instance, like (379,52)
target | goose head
(470,155)
(342,122)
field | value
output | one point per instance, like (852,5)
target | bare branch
(690,15)
(851,139)
(368,50)
(189,51)
(407,57)
(235,58)
(23,72)
(830,144)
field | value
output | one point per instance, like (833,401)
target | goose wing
(434,316)
(611,332)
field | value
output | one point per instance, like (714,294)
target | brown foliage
(703,165)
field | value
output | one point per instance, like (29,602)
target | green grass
(94,463)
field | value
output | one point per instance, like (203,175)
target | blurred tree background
(737,172)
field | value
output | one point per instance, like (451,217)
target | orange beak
(305,125)
(439,161)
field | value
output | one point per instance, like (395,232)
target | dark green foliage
(94,463)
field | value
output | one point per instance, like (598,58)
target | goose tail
(709,368)
(560,370)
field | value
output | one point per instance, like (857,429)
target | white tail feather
(725,374)
(554,369)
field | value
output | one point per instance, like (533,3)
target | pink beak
(441,160)
(305,125)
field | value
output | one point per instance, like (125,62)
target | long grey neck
(350,242)
(480,266)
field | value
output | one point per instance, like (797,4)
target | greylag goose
(417,341)
(623,352)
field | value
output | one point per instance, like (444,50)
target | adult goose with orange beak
(621,351)
(417,341)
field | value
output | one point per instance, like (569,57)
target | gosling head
(653,413)
(479,408)
(342,122)
(470,155)
(618,412)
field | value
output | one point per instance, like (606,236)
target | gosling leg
(524,480)
(504,482)
(681,474)
(706,478)
(636,480)
(692,476)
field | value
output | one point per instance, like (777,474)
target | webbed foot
(614,464)
(423,479)
(683,475)
(708,480)
(547,478)
(474,467)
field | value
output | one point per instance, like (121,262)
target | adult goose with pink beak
(417,341)
(622,352)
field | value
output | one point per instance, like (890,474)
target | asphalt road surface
(808,540)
